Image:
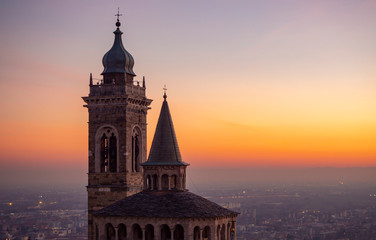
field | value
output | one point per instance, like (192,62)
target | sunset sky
(250,83)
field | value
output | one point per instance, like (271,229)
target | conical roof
(164,149)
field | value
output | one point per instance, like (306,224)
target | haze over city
(264,90)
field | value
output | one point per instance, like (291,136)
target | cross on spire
(164,89)
(118,15)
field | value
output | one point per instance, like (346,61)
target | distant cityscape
(266,212)
(43,214)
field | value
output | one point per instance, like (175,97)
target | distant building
(129,197)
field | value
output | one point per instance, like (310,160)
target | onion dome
(165,149)
(117,59)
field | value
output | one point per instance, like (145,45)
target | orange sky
(249,84)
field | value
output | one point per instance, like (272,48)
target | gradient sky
(250,83)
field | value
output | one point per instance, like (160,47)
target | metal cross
(165,95)
(118,15)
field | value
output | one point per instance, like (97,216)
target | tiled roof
(165,204)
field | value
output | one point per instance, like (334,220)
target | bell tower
(117,107)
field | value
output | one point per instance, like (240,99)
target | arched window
(106,150)
(110,232)
(179,232)
(137,232)
(223,232)
(165,232)
(165,183)
(104,153)
(148,182)
(155,182)
(149,232)
(206,235)
(122,232)
(173,182)
(232,230)
(136,150)
(112,153)
(219,232)
(196,233)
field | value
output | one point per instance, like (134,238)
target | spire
(117,59)
(164,149)
(143,82)
(91,79)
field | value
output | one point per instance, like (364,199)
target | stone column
(188,231)
(180,181)
(116,233)
(159,181)
(201,230)
(157,234)
(143,233)
(214,232)
(228,231)
(169,182)
(172,234)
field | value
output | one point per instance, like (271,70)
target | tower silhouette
(128,197)
(117,130)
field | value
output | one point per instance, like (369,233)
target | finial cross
(118,15)
(165,89)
